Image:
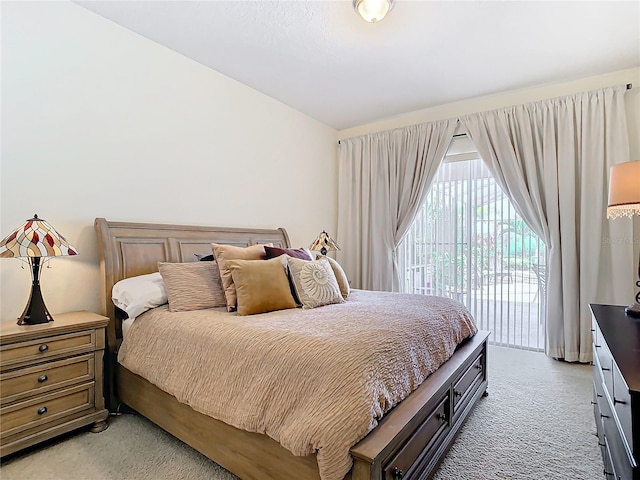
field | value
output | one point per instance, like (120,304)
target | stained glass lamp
(624,201)
(324,243)
(35,239)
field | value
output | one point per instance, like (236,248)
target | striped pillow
(192,286)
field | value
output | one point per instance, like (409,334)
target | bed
(409,441)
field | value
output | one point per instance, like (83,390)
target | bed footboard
(412,440)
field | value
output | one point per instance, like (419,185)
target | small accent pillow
(261,286)
(224,253)
(136,295)
(301,253)
(341,277)
(315,282)
(192,286)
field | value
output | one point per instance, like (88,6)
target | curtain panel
(552,158)
(383,180)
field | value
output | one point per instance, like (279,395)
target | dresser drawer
(408,455)
(46,408)
(622,406)
(471,378)
(619,455)
(25,382)
(605,361)
(609,468)
(15,354)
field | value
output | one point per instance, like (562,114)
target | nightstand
(50,378)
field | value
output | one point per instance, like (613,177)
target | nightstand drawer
(24,382)
(46,408)
(47,347)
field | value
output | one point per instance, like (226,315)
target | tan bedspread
(313,380)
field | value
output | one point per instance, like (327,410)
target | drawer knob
(397,474)
(43,348)
(42,378)
(622,402)
(42,410)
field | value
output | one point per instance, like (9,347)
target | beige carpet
(536,424)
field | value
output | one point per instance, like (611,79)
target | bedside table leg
(99,426)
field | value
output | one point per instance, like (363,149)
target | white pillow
(136,295)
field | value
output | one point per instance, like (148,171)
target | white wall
(100,122)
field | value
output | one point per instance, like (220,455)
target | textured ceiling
(320,58)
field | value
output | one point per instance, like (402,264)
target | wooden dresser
(50,378)
(616,390)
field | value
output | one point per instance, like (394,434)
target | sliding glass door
(469,243)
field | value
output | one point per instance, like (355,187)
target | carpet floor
(536,424)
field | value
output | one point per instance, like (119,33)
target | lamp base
(633,310)
(36,311)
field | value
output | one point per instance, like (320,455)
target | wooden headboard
(128,249)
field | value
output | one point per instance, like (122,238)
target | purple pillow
(301,253)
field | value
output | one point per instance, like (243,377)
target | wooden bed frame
(409,442)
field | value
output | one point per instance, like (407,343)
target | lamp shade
(324,243)
(35,238)
(373,11)
(624,190)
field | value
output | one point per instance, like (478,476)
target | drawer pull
(605,369)
(593,403)
(607,474)
(598,346)
(397,474)
(43,348)
(478,366)
(42,410)
(598,395)
(593,329)
(456,393)
(42,378)
(602,415)
(622,402)
(601,444)
(442,417)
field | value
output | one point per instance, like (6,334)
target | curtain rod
(629,87)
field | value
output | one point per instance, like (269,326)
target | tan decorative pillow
(341,277)
(315,282)
(222,254)
(261,285)
(192,286)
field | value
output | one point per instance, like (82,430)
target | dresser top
(11,332)
(622,334)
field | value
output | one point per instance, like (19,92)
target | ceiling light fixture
(373,11)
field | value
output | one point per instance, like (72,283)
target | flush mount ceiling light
(373,11)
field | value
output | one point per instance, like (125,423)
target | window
(467,242)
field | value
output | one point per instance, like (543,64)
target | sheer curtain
(553,158)
(383,179)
